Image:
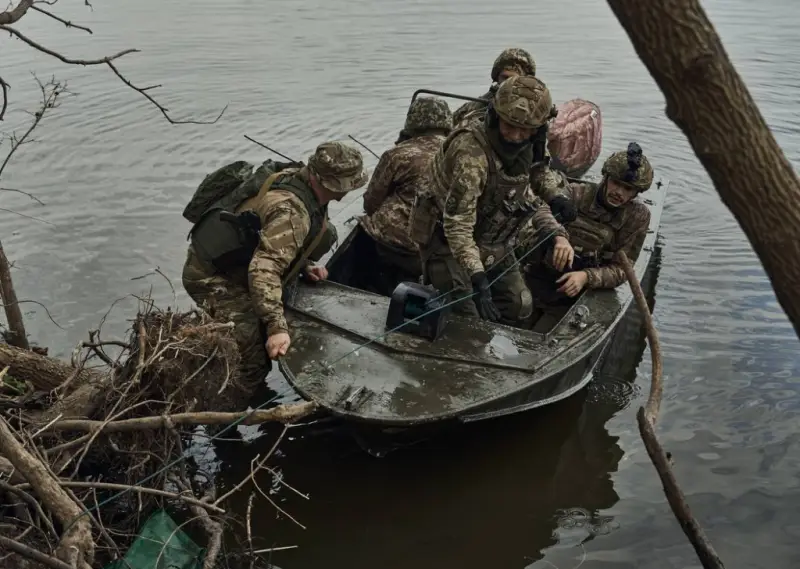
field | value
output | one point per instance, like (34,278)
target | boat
(343,358)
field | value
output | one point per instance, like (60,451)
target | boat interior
(356,264)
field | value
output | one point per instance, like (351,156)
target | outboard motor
(575,137)
(412,301)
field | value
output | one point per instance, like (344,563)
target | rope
(452,302)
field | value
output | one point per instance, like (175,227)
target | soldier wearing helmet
(609,219)
(480,198)
(402,172)
(511,62)
(244,280)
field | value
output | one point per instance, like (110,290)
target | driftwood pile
(77,439)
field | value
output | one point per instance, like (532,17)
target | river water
(569,485)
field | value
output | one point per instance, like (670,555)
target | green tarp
(161,545)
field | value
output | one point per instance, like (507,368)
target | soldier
(480,198)
(609,219)
(510,63)
(248,288)
(400,174)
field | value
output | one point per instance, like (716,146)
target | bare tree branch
(63,21)
(64,58)
(34,198)
(50,92)
(13,15)
(107,61)
(4,86)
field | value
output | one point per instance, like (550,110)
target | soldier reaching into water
(609,219)
(400,175)
(480,198)
(246,285)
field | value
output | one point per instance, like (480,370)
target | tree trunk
(16,326)
(43,372)
(710,103)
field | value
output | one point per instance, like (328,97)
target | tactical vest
(505,203)
(591,237)
(228,247)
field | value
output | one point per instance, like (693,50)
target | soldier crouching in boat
(609,219)
(246,282)
(479,199)
(402,172)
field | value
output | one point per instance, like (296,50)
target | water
(520,493)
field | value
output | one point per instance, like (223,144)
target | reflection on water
(115,178)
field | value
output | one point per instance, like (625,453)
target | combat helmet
(630,167)
(513,58)
(524,101)
(428,113)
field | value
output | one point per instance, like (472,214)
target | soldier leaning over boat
(609,219)
(243,276)
(402,172)
(479,199)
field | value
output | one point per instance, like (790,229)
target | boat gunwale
(639,268)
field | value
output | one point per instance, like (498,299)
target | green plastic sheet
(161,545)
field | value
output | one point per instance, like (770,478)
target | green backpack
(230,185)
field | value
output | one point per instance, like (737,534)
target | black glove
(564,208)
(483,297)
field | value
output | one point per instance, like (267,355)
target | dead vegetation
(79,441)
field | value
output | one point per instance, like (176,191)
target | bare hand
(317,273)
(278,345)
(563,254)
(573,283)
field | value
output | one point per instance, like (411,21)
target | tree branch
(76,543)
(63,21)
(4,86)
(282,413)
(13,15)
(32,554)
(108,61)
(647,418)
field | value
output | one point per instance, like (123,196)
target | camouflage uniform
(512,59)
(291,219)
(600,231)
(481,207)
(401,174)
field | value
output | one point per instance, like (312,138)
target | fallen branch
(282,414)
(33,554)
(647,417)
(77,545)
(131,488)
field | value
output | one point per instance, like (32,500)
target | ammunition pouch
(424,217)
(226,240)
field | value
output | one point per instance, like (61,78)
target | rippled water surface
(567,485)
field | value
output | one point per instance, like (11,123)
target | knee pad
(525,302)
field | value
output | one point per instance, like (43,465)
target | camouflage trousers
(509,293)
(222,297)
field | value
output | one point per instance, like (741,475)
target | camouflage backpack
(230,185)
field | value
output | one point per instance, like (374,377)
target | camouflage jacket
(460,172)
(285,226)
(401,173)
(604,232)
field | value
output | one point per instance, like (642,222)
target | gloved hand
(564,208)
(483,298)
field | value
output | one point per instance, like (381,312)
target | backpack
(230,185)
